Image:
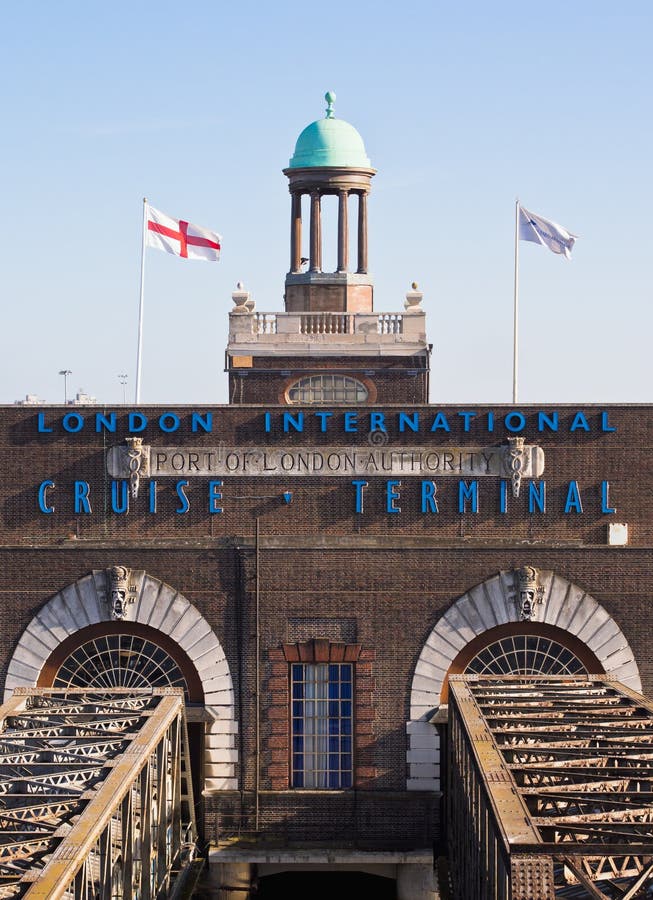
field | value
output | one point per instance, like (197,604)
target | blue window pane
(298,780)
(298,708)
(334,708)
(298,744)
(334,779)
(345,744)
(334,726)
(345,690)
(334,761)
(333,674)
(298,762)
(298,726)
(345,726)
(346,708)
(334,690)
(298,691)
(345,673)
(346,779)
(346,761)
(334,744)
(298,673)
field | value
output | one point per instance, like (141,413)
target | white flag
(542,231)
(181,238)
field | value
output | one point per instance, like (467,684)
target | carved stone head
(528,592)
(118,594)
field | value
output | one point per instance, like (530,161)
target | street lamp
(122,378)
(65,373)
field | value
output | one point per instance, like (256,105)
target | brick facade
(373,583)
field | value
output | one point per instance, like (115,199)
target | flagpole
(137,396)
(515,336)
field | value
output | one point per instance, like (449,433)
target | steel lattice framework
(95,794)
(551,788)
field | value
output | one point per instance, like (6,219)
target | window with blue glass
(322,725)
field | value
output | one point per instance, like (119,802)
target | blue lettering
(377,421)
(152,496)
(440,421)
(105,423)
(605,424)
(214,496)
(605,499)
(41,427)
(515,421)
(579,422)
(467,416)
(490,421)
(119,504)
(550,422)
(296,421)
(169,422)
(82,503)
(537,496)
(503,496)
(44,487)
(351,421)
(391,496)
(184,505)
(429,503)
(204,422)
(73,422)
(411,420)
(136,422)
(467,492)
(267,418)
(359,485)
(323,416)
(573,502)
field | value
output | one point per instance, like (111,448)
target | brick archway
(163,610)
(565,606)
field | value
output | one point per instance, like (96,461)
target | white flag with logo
(549,234)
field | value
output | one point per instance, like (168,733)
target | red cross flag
(181,238)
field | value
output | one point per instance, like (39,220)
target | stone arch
(486,606)
(162,608)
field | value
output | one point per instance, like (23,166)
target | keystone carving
(527,592)
(120,593)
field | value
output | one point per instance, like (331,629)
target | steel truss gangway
(95,794)
(550,788)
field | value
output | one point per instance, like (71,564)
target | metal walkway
(550,789)
(95,794)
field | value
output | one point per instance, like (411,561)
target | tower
(329,346)
(329,159)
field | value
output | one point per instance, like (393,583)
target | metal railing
(549,788)
(95,794)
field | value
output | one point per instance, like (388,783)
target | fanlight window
(120,661)
(525,654)
(327,388)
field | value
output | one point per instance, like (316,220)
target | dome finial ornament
(330,98)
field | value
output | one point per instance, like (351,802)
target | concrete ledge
(322,855)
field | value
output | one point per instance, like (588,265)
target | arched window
(327,388)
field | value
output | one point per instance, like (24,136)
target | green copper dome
(330,142)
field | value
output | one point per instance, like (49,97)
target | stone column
(343,231)
(296,232)
(316,233)
(362,233)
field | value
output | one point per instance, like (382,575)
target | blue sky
(197,106)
